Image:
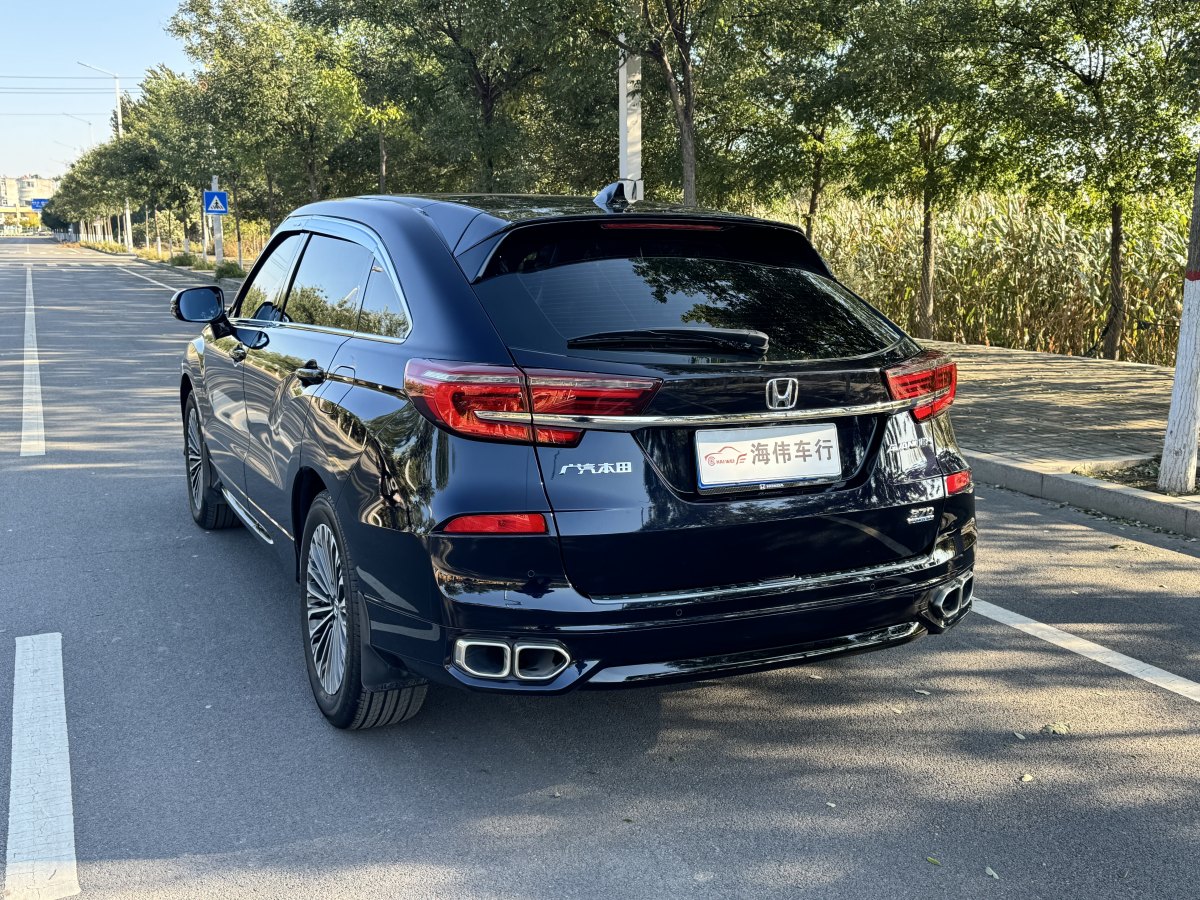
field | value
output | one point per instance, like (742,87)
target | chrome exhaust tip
(483,658)
(539,662)
(951,600)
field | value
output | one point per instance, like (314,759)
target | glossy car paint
(641,576)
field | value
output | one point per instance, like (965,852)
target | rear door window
(542,293)
(327,289)
(383,312)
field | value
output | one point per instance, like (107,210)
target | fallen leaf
(1027,778)
(817,677)
(988,871)
(831,805)
(921,692)
(932,860)
(1020,736)
(1057,728)
(627,820)
(897,710)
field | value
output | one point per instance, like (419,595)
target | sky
(49,38)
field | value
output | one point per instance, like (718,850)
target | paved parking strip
(200,766)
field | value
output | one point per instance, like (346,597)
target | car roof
(463,220)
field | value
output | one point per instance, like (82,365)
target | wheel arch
(307,484)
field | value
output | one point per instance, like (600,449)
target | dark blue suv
(530,444)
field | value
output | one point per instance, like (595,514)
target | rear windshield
(543,293)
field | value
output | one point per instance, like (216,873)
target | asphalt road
(201,767)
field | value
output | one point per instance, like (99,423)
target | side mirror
(199,304)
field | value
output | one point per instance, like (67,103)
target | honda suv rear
(535,444)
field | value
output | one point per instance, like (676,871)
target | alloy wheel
(325,597)
(195,458)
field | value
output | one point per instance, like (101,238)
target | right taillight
(958,482)
(930,377)
(454,395)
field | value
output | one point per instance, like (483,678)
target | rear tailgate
(708,485)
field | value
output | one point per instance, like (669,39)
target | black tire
(208,507)
(331,582)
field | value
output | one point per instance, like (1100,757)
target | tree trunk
(170,234)
(157,236)
(1115,329)
(925,316)
(1180,450)
(684,119)
(814,198)
(271,219)
(382,162)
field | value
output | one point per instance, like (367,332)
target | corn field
(1012,274)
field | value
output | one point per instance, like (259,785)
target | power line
(58,77)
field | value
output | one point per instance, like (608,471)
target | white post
(203,230)
(629,107)
(218,232)
(120,134)
(1177,472)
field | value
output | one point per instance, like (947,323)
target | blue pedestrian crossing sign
(216,203)
(38,204)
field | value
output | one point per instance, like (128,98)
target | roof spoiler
(619,195)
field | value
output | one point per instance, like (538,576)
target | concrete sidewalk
(1032,421)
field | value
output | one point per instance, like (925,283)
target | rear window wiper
(741,340)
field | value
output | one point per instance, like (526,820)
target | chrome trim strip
(636,423)
(754,659)
(939,556)
(248,520)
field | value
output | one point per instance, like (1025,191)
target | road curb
(1178,514)
(225,284)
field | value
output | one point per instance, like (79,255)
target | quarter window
(327,289)
(264,296)
(383,311)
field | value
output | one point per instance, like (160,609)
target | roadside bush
(205,265)
(183,259)
(104,246)
(229,269)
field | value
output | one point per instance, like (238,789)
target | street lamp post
(120,134)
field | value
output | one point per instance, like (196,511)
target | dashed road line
(1093,651)
(33,431)
(40,859)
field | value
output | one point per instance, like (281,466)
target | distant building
(22,191)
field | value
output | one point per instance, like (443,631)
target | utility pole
(218,227)
(1177,471)
(120,134)
(629,109)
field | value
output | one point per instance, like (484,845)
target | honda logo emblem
(782,393)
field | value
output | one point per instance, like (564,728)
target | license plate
(786,453)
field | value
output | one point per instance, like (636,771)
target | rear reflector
(451,394)
(931,376)
(958,482)
(498,523)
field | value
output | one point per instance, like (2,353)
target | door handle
(310,373)
(238,353)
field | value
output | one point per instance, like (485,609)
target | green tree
(1103,101)
(919,99)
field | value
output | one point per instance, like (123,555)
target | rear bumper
(699,637)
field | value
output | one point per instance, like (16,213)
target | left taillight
(930,377)
(452,395)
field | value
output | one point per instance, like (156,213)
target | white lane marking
(33,432)
(151,280)
(1119,661)
(40,861)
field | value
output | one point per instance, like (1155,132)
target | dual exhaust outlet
(952,599)
(523,660)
